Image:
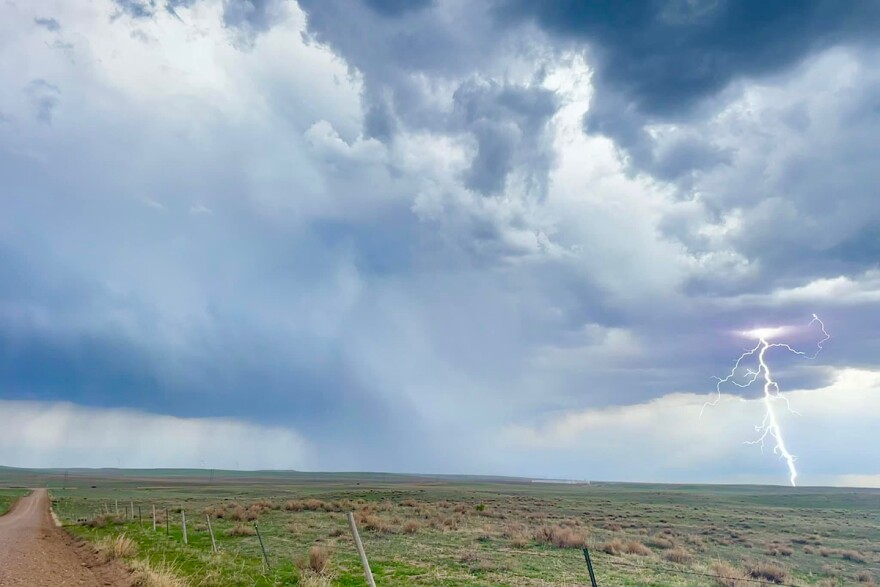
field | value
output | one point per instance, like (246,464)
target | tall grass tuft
(114,548)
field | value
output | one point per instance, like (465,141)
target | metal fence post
(263,548)
(590,567)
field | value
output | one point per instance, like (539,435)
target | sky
(436,236)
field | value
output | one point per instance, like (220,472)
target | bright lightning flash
(769,428)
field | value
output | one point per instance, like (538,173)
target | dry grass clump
(853,556)
(411,527)
(728,575)
(560,537)
(373,523)
(616,547)
(319,559)
(215,511)
(309,578)
(241,514)
(767,572)
(119,547)
(660,542)
(102,520)
(779,550)
(636,547)
(516,533)
(311,505)
(612,547)
(678,555)
(145,574)
(865,577)
(242,530)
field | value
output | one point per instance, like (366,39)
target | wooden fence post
(183,519)
(360,548)
(211,532)
(154,518)
(167,523)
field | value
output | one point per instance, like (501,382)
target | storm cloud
(389,232)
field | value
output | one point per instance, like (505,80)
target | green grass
(8,497)
(467,529)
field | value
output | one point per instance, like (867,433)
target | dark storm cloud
(662,56)
(656,60)
(397,7)
(508,123)
(235,246)
(395,49)
(49,24)
(50,351)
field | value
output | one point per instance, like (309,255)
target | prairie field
(7,496)
(431,531)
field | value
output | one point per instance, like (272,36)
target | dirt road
(35,553)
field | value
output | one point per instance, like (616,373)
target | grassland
(8,497)
(433,531)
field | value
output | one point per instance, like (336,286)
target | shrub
(319,559)
(779,550)
(678,555)
(767,571)
(660,542)
(728,575)
(853,555)
(560,537)
(242,530)
(612,547)
(411,527)
(313,505)
(636,547)
(102,520)
(373,523)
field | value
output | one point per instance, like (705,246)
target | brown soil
(36,553)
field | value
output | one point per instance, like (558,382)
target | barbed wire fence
(593,571)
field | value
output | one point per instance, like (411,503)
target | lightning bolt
(769,428)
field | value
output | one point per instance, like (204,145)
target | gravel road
(36,553)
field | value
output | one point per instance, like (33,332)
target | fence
(590,571)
